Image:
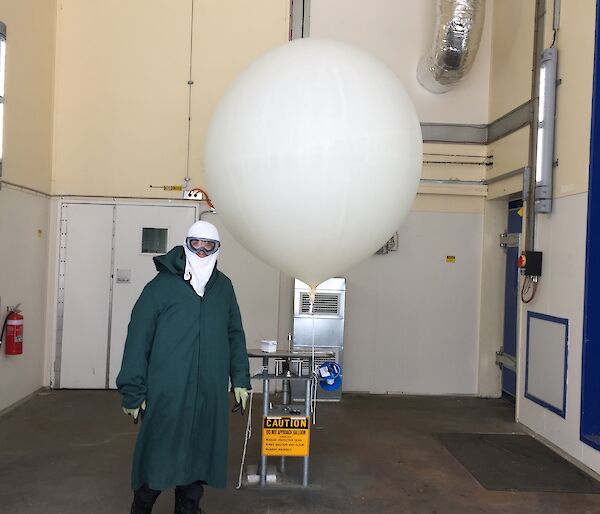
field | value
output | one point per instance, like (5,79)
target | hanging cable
(206,198)
(247,437)
(553,38)
(4,326)
(313,393)
(529,284)
(312,295)
(190,84)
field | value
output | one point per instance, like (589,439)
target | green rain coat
(180,352)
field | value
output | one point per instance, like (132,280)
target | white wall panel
(23,261)
(412,318)
(561,236)
(84,344)
(493,279)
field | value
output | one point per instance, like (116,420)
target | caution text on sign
(286,436)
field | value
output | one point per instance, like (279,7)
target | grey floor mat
(516,462)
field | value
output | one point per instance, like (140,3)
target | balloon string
(311,297)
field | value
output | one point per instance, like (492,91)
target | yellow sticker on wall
(286,436)
(451,258)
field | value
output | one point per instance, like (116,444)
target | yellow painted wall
(512,46)
(469,161)
(509,153)
(228,36)
(510,86)
(575,43)
(29,89)
(121,95)
(122,92)
(442,161)
(512,50)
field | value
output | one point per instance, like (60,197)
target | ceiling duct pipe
(458,29)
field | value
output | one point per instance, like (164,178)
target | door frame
(589,427)
(516,298)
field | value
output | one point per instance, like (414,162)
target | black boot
(186,506)
(138,507)
(143,500)
(187,498)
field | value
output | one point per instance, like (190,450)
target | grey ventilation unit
(325,303)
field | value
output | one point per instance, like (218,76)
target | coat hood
(173,261)
(199,269)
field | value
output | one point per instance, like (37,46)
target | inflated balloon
(313,157)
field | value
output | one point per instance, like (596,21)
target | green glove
(241,396)
(135,412)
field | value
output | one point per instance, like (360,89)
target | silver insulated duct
(458,29)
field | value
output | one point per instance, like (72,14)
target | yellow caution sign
(286,436)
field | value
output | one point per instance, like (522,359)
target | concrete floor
(67,452)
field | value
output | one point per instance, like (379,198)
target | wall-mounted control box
(530,264)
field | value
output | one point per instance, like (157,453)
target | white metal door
(84,295)
(141,232)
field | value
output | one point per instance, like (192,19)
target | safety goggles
(202,245)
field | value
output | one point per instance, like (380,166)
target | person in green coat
(185,342)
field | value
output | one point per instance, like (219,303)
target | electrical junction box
(530,264)
(192,194)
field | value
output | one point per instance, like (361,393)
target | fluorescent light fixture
(2,80)
(544,159)
(2,65)
(541,122)
(1,131)
(2,57)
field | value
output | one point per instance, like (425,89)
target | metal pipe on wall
(458,28)
(538,44)
(299,19)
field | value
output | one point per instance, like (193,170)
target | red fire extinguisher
(13,325)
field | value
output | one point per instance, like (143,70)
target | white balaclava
(199,269)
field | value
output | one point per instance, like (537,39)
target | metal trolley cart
(287,368)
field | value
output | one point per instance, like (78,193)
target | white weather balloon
(313,157)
